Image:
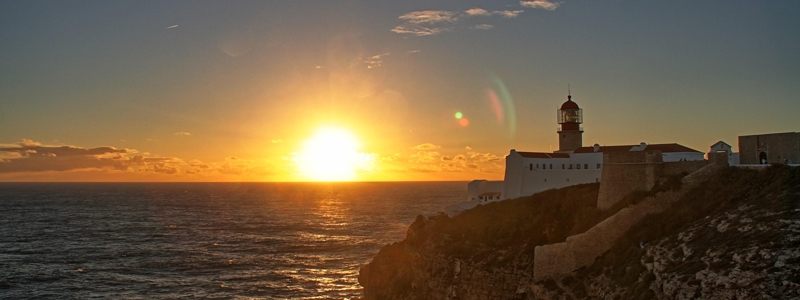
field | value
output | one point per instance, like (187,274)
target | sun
(332,155)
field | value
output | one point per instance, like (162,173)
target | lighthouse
(570,133)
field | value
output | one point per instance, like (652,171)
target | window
(598,166)
(586,166)
(537,166)
(531,167)
(551,166)
(570,166)
(545,180)
(562,166)
(578,166)
(567,179)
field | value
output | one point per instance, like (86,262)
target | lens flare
(459,115)
(497,107)
(463,122)
(502,104)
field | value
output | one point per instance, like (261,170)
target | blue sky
(253,79)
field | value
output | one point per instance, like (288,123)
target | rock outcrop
(735,236)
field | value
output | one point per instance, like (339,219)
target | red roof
(543,155)
(569,104)
(663,147)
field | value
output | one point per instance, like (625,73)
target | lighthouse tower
(570,134)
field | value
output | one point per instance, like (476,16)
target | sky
(238,90)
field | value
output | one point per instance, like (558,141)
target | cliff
(735,235)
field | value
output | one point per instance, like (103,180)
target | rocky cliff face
(737,236)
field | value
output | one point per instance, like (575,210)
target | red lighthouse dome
(569,104)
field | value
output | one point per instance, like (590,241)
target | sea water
(202,240)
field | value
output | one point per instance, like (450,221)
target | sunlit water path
(209,240)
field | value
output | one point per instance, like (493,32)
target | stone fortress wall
(625,172)
(779,147)
(582,249)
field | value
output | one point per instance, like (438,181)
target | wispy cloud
(541,4)
(508,13)
(477,12)
(426,146)
(424,157)
(418,30)
(432,22)
(375,60)
(173,26)
(429,17)
(183,133)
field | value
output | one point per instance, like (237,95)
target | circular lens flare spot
(459,115)
(463,122)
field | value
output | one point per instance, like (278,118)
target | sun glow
(332,155)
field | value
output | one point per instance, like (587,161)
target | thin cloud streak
(432,22)
(541,4)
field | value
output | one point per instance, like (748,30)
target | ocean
(202,240)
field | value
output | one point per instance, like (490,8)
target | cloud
(508,13)
(429,17)
(33,157)
(277,141)
(183,133)
(426,22)
(240,166)
(417,30)
(29,156)
(375,60)
(450,167)
(424,157)
(232,169)
(477,12)
(483,157)
(28,143)
(541,4)
(432,22)
(426,146)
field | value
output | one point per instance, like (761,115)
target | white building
(733,157)
(528,173)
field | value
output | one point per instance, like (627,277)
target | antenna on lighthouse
(568,90)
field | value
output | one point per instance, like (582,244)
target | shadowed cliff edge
(729,233)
